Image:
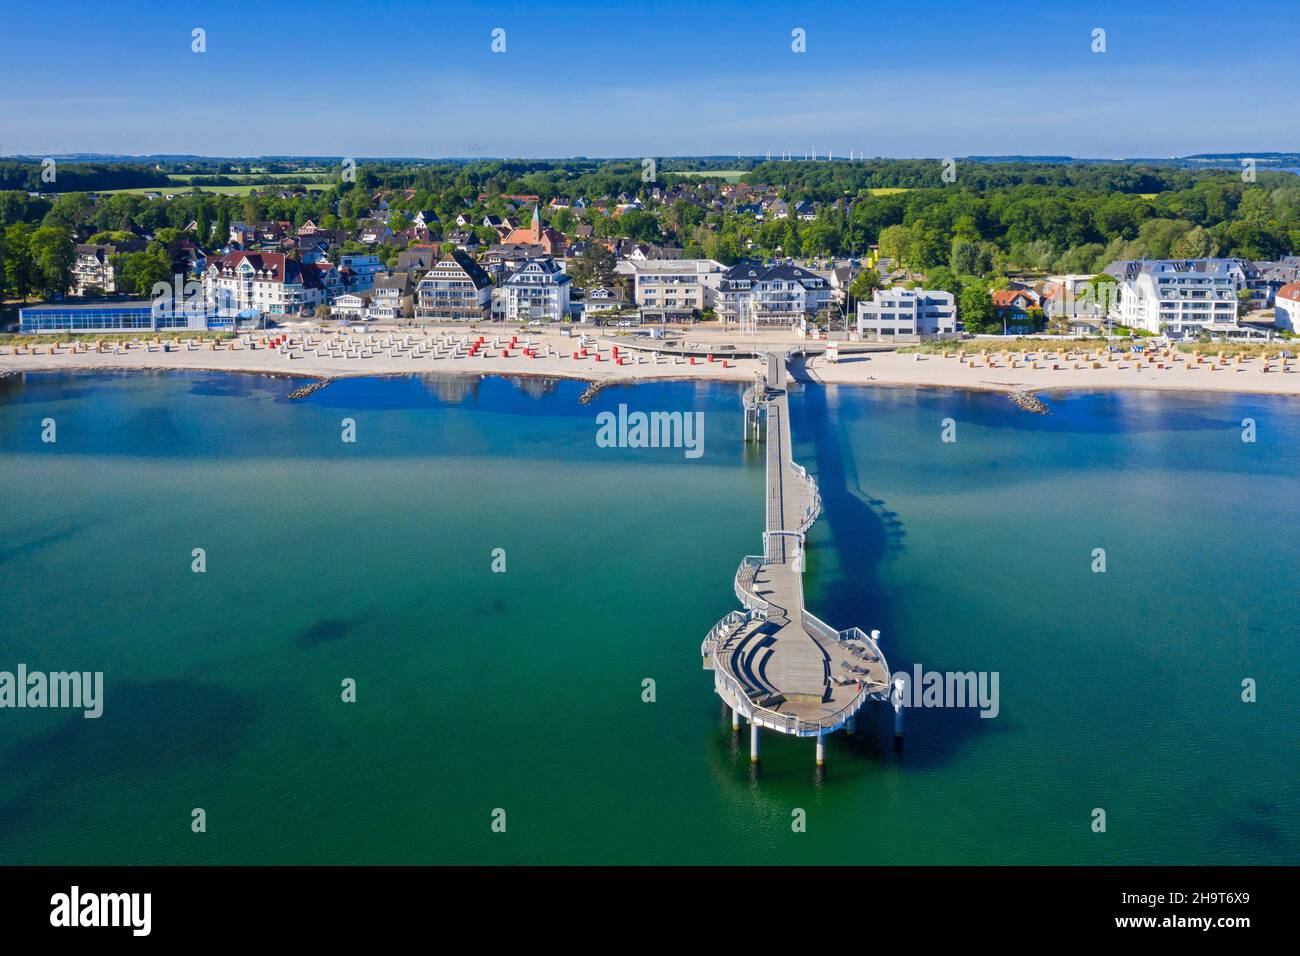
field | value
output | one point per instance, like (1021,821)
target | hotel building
(674,290)
(456,289)
(269,283)
(536,291)
(751,294)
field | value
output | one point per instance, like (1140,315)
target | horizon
(891,84)
(88,156)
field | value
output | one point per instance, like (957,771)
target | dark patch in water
(35,544)
(323,632)
(147,727)
(1259,831)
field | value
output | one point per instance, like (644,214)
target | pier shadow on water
(862,533)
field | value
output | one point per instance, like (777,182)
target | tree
(20,268)
(1244,302)
(222,234)
(52,255)
(139,272)
(977,311)
(965,257)
(593,269)
(945,280)
(1197,243)
(895,242)
(863,285)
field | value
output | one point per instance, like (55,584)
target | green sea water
(523,692)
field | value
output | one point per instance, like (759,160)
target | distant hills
(1262,159)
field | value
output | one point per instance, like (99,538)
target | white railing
(748,598)
(733,619)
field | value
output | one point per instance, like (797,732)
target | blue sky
(932,78)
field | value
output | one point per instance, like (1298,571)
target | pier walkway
(775,663)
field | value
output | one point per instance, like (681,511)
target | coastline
(552,357)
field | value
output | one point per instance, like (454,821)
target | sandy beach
(326,355)
(548,353)
(1051,370)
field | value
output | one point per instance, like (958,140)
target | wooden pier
(775,663)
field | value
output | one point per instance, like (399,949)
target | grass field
(730,175)
(887,190)
(241,190)
(300,176)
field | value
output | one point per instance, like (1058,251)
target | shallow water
(522,691)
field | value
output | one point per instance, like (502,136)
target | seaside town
(679,250)
(680,267)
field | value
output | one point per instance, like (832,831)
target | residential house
(502,259)
(1019,310)
(463,239)
(1286,308)
(361,270)
(417,259)
(602,300)
(372,232)
(351,306)
(391,298)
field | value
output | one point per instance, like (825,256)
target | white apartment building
(537,291)
(1181,298)
(673,290)
(911,313)
(751,294)
(269,283)
(92,265)
(456,289)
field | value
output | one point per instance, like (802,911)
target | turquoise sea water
(523,691)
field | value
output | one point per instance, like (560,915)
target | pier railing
(814,508)
(747,597)
(732,620)
(732,691)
